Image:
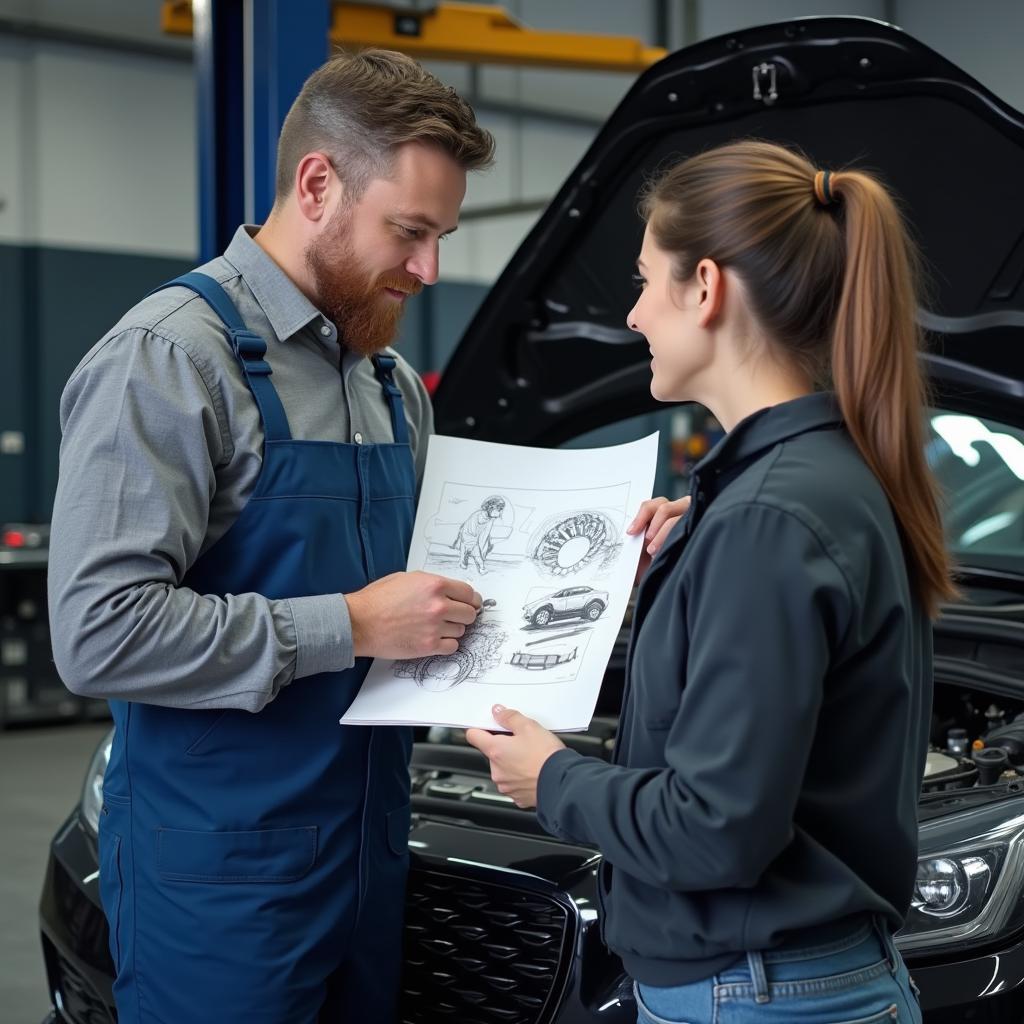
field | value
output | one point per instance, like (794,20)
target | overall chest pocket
(258,855)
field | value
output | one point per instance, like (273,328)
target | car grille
(480,953)
(80,1002)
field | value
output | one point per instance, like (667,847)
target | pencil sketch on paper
(476,531)
(553,659)
(473,541)
(479,652)
(567,603)
(570,542)
(540,536)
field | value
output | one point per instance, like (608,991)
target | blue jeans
(860,979)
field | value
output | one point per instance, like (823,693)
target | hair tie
(823,188)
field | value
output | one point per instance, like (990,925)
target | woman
(758,824)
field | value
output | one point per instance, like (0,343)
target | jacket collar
(768,427)
(758,433)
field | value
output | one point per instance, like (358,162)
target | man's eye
(409,232)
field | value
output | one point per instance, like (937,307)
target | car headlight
(970,879)
(92,790)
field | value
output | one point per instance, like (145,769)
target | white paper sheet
(541,533)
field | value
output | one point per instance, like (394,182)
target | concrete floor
(41,774)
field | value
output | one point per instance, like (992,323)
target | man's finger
(459,611)
(462,592)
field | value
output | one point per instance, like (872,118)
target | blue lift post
(251,57)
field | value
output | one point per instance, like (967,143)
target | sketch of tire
(568,543)
(593,610)
(542,616)
(443,671)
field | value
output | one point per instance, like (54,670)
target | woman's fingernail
(497,709)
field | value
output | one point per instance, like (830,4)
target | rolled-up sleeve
(764,604)
(143,434)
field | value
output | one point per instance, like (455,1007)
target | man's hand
(516,760)
(411,615)
(655,520)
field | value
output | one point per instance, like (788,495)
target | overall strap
(384,367)
(248,347)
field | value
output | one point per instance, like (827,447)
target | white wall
(97,149)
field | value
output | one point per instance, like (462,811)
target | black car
(501,924)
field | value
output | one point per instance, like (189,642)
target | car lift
(467,32)
(252,57)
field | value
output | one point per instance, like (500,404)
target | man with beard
(238,466)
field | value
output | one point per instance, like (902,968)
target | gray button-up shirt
(162,445)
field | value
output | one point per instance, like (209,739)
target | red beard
(366,317)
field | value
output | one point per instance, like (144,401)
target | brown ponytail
(831,275)
(877,376)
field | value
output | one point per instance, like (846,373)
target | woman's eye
(639,281)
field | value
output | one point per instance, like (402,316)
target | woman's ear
(712,285)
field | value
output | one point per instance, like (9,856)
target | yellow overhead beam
(472,33)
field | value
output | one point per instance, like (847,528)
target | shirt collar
(768,427)
(287,309)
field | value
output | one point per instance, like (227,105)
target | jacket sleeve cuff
(549,787)
(323,634)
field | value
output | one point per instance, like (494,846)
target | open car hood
(548,356)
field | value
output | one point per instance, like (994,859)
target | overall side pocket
(112,889)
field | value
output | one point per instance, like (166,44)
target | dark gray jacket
(775,720)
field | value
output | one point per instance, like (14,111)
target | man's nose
(424,264)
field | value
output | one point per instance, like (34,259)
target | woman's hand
(516,760)
(655,520)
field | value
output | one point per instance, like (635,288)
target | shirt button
(357,437)
(325,331)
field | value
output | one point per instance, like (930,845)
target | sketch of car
(569,603)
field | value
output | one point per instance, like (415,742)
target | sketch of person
(473,540)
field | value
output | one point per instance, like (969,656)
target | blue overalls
(253,866)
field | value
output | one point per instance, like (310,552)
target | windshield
(980,466)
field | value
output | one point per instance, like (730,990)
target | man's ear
(315,185)
(712,284)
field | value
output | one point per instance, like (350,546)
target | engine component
(991,762)
(941,771)
(957,742)
(1010,738)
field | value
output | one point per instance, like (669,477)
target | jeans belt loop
(756,963)
(884,939)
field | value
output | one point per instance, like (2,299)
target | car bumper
(589,988)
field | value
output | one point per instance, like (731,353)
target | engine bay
(976,754)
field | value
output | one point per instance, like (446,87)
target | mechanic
(237,480)
(758,825)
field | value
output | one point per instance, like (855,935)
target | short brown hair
(359,107)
